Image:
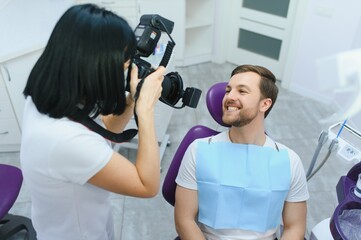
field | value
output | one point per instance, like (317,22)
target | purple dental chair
(214,104)
(347,201)
(11,179)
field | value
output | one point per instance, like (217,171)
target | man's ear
(265,104)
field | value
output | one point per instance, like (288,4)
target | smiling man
(241,184)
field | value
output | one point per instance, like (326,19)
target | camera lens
(172,88)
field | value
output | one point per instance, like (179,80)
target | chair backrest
(11,179)
(214,104)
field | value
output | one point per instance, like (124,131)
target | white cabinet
(24,39)
(9,128)
(14,74)
(199,28)
(25,27)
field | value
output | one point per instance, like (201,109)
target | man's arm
(185,213)
(294,220)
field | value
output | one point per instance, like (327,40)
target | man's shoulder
(291,152)
(219,137)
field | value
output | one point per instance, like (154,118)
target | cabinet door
(199,28)
(9,134)
(260,32)
(9,129)
(16,72)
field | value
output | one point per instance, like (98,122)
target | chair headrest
(214,99)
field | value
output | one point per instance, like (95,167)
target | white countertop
(25,26)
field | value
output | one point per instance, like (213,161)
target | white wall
(25,25)
(357,44)
(325,28)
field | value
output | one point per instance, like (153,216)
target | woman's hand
(150,91)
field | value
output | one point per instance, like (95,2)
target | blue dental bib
(241,186)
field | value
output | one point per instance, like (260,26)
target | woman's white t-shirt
(58,157)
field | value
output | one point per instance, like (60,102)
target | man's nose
(231,95)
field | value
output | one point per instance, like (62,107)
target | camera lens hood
(172,88)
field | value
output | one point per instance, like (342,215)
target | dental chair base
(321,231)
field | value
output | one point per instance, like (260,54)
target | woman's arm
(117,123)
(141,179)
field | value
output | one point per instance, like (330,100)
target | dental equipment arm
(332,147)
(347,144)
(321,141)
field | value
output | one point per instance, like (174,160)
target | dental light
(343,74)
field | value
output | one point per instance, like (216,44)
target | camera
(148,33)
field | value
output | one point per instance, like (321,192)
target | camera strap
(88,122)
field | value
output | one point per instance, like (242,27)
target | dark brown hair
(83,64)
(267,85)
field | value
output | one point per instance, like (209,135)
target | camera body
(148,33)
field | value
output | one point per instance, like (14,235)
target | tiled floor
(293,121)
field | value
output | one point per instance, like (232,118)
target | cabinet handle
(108,2)
(7,72)
(4,133)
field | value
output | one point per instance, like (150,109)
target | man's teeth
(232,108)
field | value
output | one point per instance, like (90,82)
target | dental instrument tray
(349,141)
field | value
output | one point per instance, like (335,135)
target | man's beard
(244,117)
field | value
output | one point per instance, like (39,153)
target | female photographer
(69,169)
